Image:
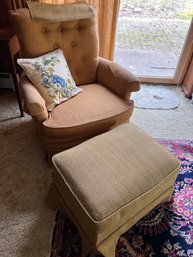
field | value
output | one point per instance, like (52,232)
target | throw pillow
(51,76)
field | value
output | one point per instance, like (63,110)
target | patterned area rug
(165,231)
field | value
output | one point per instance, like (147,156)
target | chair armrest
(34,104)
(116,78)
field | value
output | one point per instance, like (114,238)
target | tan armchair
(105,100)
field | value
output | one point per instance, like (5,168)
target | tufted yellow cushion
(78,39)
(51,76)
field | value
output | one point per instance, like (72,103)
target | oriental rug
(167,231)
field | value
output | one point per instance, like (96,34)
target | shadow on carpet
(166,231)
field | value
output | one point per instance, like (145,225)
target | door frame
(182,65)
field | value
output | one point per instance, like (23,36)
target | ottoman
(106,184)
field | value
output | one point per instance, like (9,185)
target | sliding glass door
(154,38)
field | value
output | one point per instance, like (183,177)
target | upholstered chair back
(77,38)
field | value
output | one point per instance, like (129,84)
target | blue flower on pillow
(45,80)
(55,79)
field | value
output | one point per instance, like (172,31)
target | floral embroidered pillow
(51,76)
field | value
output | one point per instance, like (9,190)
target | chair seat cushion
(88,111)
(109,179)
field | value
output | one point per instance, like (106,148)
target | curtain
(20,3)
(107,13)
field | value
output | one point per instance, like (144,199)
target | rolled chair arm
(34,104)
(116,78)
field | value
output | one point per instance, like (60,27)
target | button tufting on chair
(77,27)
(72,44)
(82,58)
(60,29)
(56,46)
(43,30)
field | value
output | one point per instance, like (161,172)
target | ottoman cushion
(108,180)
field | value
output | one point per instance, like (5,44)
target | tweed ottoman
(106,184)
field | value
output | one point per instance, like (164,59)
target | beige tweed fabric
(110,179)
(60,12)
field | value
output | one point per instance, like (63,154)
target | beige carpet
(25,220)
(155,97)
(170,124)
